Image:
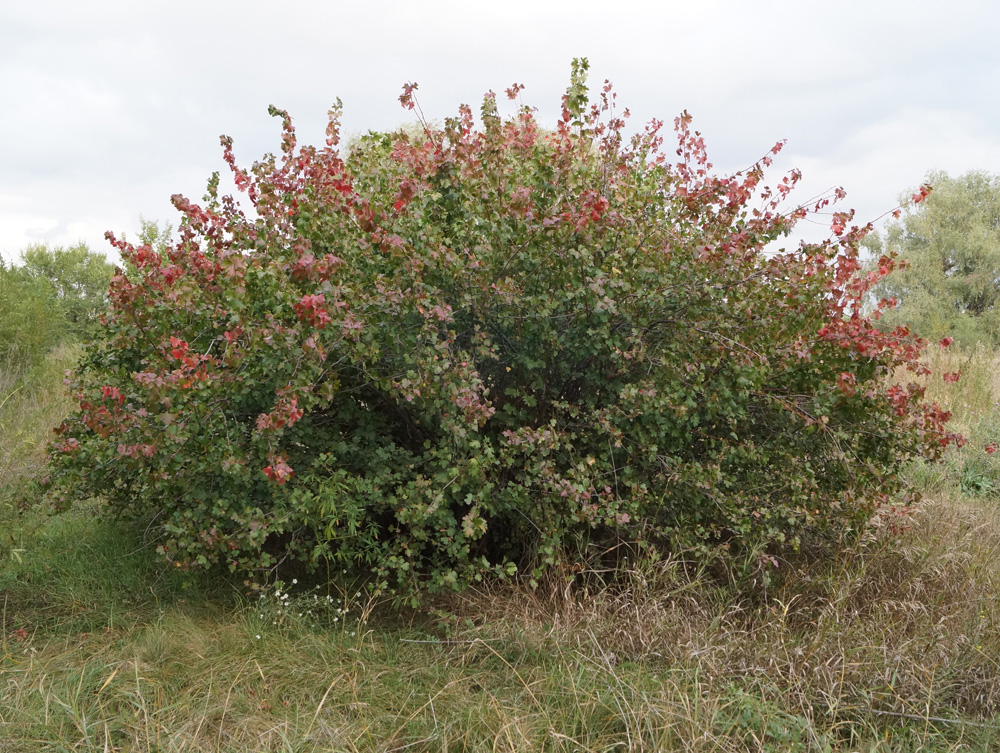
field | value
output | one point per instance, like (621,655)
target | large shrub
(491,347)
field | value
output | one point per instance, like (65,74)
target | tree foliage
(79,280)
(28,328)
(491,348)
(950,286)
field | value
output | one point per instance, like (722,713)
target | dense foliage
(78,279)
(27,330)
(486,348)
(950,286)
(52,296)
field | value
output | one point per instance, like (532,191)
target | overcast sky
(107,108)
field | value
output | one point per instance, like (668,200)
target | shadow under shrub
(492,348)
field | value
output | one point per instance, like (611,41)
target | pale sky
(109,107)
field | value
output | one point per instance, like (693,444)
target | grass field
(889,644)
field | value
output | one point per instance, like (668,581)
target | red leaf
(923,193)
(279,471)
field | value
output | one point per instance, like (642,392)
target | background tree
(28,327)
(155,235)
(78,278)
(951,241)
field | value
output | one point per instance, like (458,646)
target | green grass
(975,402)
(889,644)
(31,404)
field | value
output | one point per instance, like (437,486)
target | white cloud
(110,107)
(880,162)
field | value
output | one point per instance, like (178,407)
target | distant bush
(32,401)
(79,280)
(53,296)
(48,302)
(28,328)
(485,349)
(967,380)
(951,243)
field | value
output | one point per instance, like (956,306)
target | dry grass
(891,646)
(974,398)
(898,628)
(974,401)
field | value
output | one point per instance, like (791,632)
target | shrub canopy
(487,348)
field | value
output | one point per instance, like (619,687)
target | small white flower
(258,637)
(295,581)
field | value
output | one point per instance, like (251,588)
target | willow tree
(951,241)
